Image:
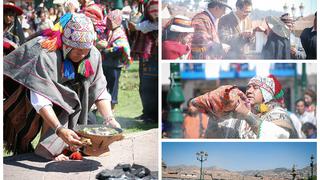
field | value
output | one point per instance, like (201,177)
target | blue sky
(240,156)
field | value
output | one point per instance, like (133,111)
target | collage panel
(239,160)
(239,29)
(216,100)
(80,89)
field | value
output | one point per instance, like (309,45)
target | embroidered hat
(79,32)
(181,24)
(270,87)
(115,17)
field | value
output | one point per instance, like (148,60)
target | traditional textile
(181,24)
(270,87)
(276,124)
(118,50)
(205,42)
(72,31)
(79,32)
(94,12)
(219,102)
(276,47)
(309,42)
(145,44)
(175,50)
(230,33)
(36,69)
(280,117)
(115,17)
(53,40)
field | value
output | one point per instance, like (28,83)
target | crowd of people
(60,62)
(212,34)
(259,113)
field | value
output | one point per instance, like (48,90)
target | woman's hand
(69,137)
(112,122)
(104,107)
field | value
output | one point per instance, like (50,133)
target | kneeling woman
(56,77)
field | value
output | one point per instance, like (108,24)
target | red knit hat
(278,92)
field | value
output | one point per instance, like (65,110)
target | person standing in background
(235,29)
(145,48)
(12,30)
(177,39)
(206,43)
(309,39)
(296,49)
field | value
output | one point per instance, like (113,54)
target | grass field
(129,104)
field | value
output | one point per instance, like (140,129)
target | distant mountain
(257,14)
(277,173)
(183,168)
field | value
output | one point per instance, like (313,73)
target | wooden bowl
(100,143)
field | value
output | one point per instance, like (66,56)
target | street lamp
(201,156)
(301,7)
(293,10)
(293,172)
(285,8)
(311,165)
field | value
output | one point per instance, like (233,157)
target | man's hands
(243,107)
(293,51)
(225,47)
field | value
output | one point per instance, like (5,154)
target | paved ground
(140,148)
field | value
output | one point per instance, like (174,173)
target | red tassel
(89,70)
(76,156)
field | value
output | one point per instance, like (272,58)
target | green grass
(129,104)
